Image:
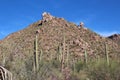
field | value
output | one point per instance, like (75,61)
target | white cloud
(105,34)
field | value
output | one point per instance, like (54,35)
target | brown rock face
(115,38)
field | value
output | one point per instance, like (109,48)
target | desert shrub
(101,71)
(55,63)
(79,66)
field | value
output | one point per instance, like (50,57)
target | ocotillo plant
(107,56)
(36,55)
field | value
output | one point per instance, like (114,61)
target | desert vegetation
(62,67)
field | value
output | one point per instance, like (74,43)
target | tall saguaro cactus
(63,53)
(86,57)
(67,59)
(107,55)
(59,53)
(36,65)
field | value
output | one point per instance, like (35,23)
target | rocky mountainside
(115,38)
(51,33)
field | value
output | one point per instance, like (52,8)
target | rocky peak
(81,24)
(114,36)
(46,16)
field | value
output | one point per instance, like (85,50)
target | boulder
(46,17)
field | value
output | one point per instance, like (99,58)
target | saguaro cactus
(4,59)
(86,58)
(63,53)
(107,55)
(67,59)
(36,54)
(60,53)
(41,53)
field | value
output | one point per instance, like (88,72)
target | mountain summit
(46,16)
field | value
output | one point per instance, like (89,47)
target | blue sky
(101,16)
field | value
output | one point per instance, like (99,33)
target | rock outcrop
(46,16)
(81,24)
(115,38)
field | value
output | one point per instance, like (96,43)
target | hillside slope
(52,32)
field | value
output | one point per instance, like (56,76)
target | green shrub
(101,71)
(79,66)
